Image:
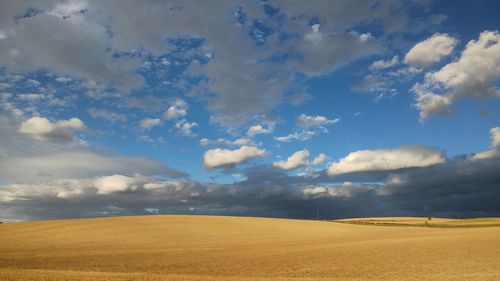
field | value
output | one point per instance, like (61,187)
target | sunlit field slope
(236,248)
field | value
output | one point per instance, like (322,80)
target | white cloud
(314,190)
(60,188)
(474,74)
(64,80)
(73,123)
(345,190)
(406,73)
(149,123)
(383,64)
(259,129)
(185,127)
(298,159)
(218,157)
(430,104)
(315,36)
(395,179)
(365,37)
(431,50)
(305,121)
(155,185)
(478,66)
(495,146)
(319,159)
(41,128)
(117,183)
(177,109)
(386,159)
(205,142)
(225,142)
(487,154)
(68,9)
(300,135)
(495,137)
(79,188)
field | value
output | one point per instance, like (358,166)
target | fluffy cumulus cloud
(474,74)
(319,159)
(344,190)
(185,127)
(215,158)
(299,159)
(259,129)
(117,183)
(177,109)
(431,50)
(383,64)
(491,153)
(42,128)
(495,137)
(386,159)
(495,146)
(431,104)
(81,188)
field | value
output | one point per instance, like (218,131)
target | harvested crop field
(238,248)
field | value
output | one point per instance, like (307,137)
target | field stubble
(236,248)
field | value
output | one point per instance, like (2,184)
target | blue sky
(189,107)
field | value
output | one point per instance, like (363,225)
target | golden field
(238,248)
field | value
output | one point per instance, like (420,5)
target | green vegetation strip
(435,225)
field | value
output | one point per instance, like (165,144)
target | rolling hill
(238,248)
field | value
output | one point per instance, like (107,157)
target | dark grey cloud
(461,186)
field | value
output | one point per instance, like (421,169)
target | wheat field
(238,248)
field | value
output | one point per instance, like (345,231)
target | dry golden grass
(236,248)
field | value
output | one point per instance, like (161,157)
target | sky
(249,108)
